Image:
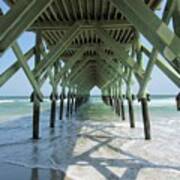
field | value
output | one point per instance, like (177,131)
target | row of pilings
(117,103)
(74,101)
(66,110)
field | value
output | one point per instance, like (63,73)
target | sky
(18,85)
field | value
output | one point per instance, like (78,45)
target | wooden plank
(22,15)
(27,70)
(120,53)
(87,25)
(56,52)
(151,27)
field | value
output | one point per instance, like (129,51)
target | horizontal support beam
(57,51)
(87,25)
(70,63)
(120,53)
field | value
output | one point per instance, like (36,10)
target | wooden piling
(76,103)
(68,105)
(118,112)
(123,110)
(53,111)
(146,119)
(178,101)
(34,96)
(72,104)
(61,110)
(131,113)
(110,101)
(36,115)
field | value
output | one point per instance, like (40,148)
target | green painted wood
(8,73)
(151,27)
(119,52)
(27,70)
(87,25)
(150,66)
(114,65)
(166,69)
(36,100)
(77,69)
(71,62)
(170,5)
(22,15)
(56,52)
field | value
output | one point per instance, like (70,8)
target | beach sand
(102,147)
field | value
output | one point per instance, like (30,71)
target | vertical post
(131,112)
(178,101)
(146,120)
(110,97)
(76,101)
(53,98)
(123,109)
(36,115)
(114,98)
(54,95)
(118,107)
(72,102)
(61,104)
(117,101)
(129,97)
(34,96)
(68,104)
(34,174)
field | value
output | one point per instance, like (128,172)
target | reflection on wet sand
(37,174)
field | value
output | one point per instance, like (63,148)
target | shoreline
(102,147)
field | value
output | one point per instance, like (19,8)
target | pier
(81,44)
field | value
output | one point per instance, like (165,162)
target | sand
(99,150)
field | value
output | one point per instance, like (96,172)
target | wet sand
(14,172)
(97,146)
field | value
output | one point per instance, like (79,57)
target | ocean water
(160,107)
(58,148)
(13,107)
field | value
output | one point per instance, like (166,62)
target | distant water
(160,106)
(163,106)
(17,148)
(14,107)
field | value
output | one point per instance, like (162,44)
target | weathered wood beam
(35,99)
(166,68)
(7,74)
(77,68)
(85,65)
(83,71)
(18,19)
(119,52)
(114,65)
(151,27)
(92,45)
(87,25)
(153,57)
(26,69)
(70,63)
(147,75)
(130,100)
(57,51)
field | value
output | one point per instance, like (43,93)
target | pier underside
(81,44)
